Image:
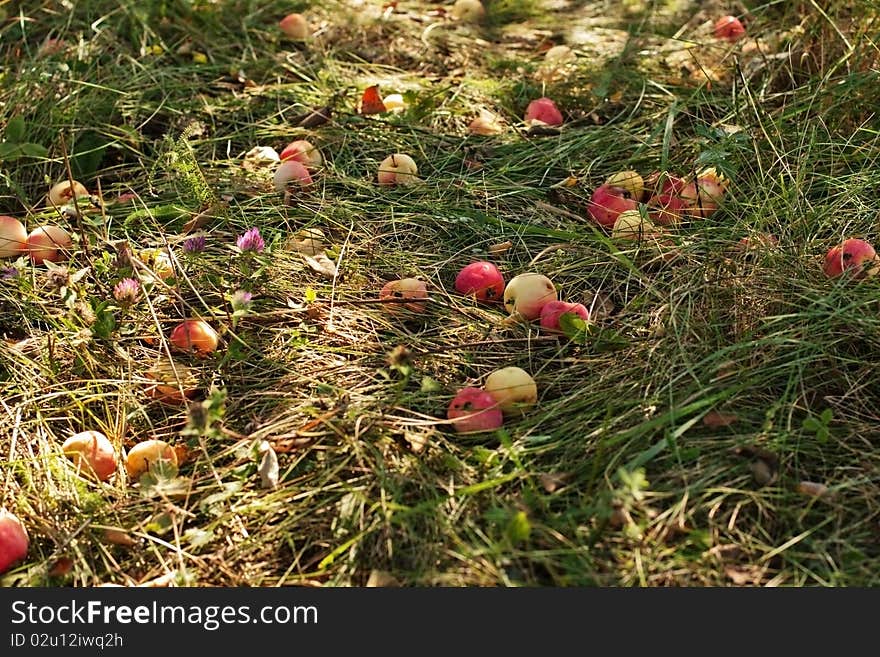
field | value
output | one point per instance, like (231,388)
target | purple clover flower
(241,300)
(194,244)
(127,292)
(251,241)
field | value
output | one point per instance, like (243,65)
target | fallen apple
(62,193)
(404,288)
(175,383)
(703,195)
(473,410)
(394,103)
(551,313)
(303,152)
(194,335)
(543,111)
(468,11)
(291,171)
(91,452)
(398,169)
(13,540)
(13,237)
(147,455)
(667,209)
(855,257)
(295,26)
(631,225)
(482,280)
(48,243)
(607,202)
(526,294)
(512,388)
(729,28)
(629,180)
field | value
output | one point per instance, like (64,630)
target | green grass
(621,475)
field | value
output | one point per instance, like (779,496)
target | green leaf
(311,295)
(105,323)
(574,327)
(826,416)
(519,528)
(811,424)
(29,149)
(9,151)
(15,129)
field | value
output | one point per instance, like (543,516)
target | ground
(717,424)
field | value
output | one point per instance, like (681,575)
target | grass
(667,449)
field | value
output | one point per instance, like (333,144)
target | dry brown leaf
(717,419)
(119,537)
(321,264)
(812,489)
(743,575)
(552,481)
(371,101)
(495,249)
(268,466)
(380,578)
(61,567)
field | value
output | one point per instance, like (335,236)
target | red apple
(13,237)
(398,169)
(667,209)
(48,243)
(543,110)
(551,313)
(145,455)
(526,294)
(303,152)
(473,409)
(63,192)
(194,335)
(513,389)
(291,171)
(704,195)
(607,202)
(295,26)
(729,28)
(13,540)
(405,288)
(482,279)
(855,257)
(91,452)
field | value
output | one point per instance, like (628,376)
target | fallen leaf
(268,466)
(717,419)
(743,575)
(762,472)
(812,489)
(119,537)
(321,264)
(495,249)
(551,481)
(371,101)
(317,117)
(309,243)
(380,578)
(205,217)
(61,567)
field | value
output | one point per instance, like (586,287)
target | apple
(290,171)
(398,169)
(63,192)
(13,540)
(527,293)
(552,311)
(469,11)
(92,452)
(295,26)
(486,124)
(394,103)
(667,209)
(145,455)
(631,225)
(473,410)
(631,181)
(543,110)
(405,288)
(13,237)
(703,196)
(607,202)
(481,279)
(194,335)
(48,243)
(855,257)
(175,383)
(512,388)
(303,152)
(729,28)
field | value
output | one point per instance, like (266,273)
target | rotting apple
(398,169)
(481,279)
(551,313)
(607,202)
(295,26)
(304,152)
(291,171)
(13,540)
(147,455)
(48,243)
(526,294)
(473,410)
(512,388)
(855,257)
(729,28)
(13,237)
(91,452)
(543,110)
(175,383)
(63,192)
(405,288)
(194,335)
